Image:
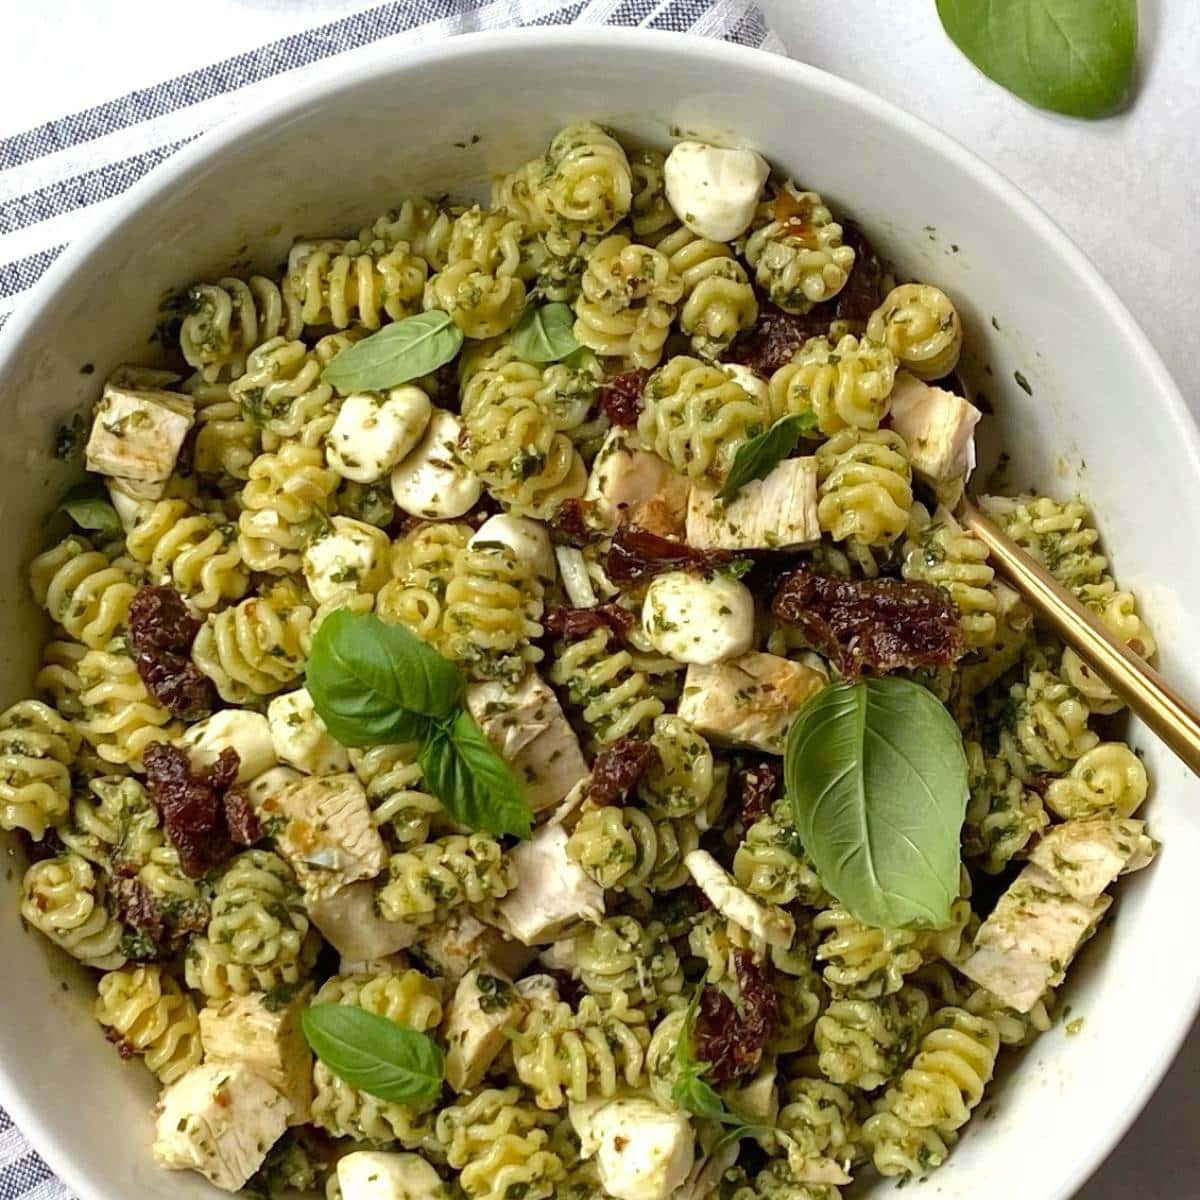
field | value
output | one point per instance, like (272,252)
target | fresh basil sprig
(877,780)
(87,504)
(399,352)
(1071,56)
(374,684)
(544,333)
(694,1094)
(758,457)
(377,1055)
(474,783)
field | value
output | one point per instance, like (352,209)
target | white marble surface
(1127,190)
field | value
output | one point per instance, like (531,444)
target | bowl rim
(381,61)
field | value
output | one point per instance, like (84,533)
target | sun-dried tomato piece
(244,826)
(621,396)
(754,788)
(619,768)
(731,1037)
(870,626)
(192,803)
(579,622)
(774,338)
(637,554)
(570,523)
(162,631)
(138,906)
(863,290)
(793,211)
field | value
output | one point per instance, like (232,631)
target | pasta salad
(521,718)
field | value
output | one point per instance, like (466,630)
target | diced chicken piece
(526,725)
(748,701)
(766,921)
(432,481)
(758,1097)
(351,557)
(538,991)
(643,1152)
(454,946)
(383,1175)
(713,190)
(300,737)
(137,435)
(937,426)
(1084,857)
(484,1008)
(775,513)
(552,891)
(219,1119)
(706,1173)
(524,536)
(351,924)
(326,832)
(374,431)
(1026,944)
(399,961)
(694,619)
(247,732)
(263,1032)
(632,486)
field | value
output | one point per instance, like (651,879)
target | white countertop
(1127,190)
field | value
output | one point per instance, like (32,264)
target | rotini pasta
(146,1013)
(846,385)
(920,326)
(37,749)
(865,491)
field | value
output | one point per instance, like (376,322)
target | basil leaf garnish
(758,457)
(374,1054)
(399,352)
(877,780)
(543,333)
(87,504)
(474,784)
(373,683)
(1071,56)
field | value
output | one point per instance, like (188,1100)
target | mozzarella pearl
(525,537)
(433,481)
(351,557)
(714,191)
(373,432)
(247,732)
(697,620)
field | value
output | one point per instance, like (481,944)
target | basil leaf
(877,780)
(737,1133)
(399,352)
(543,333)
(375,1054)
(87,504)
(373,683)
(1071,56)
(474,784)
(695,1096)
(758,457)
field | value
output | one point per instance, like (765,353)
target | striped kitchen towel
(63,173)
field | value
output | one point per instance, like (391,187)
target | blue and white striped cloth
(58,176)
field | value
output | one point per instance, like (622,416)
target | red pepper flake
(871,626)
(621,396)
(162,631)
(637,554)
(731,1037)
(754,788)
(579,622)
(192,804)
(619,768)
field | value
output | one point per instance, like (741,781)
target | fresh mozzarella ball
(374,432)
(433,481)
(247,732)
(642,1151)
(696,620)
(526,538)
(382,1175)
(353,556)
(300,736)
(269,783)
(714,191)
(749,380)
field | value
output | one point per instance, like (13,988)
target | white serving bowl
(326,161)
